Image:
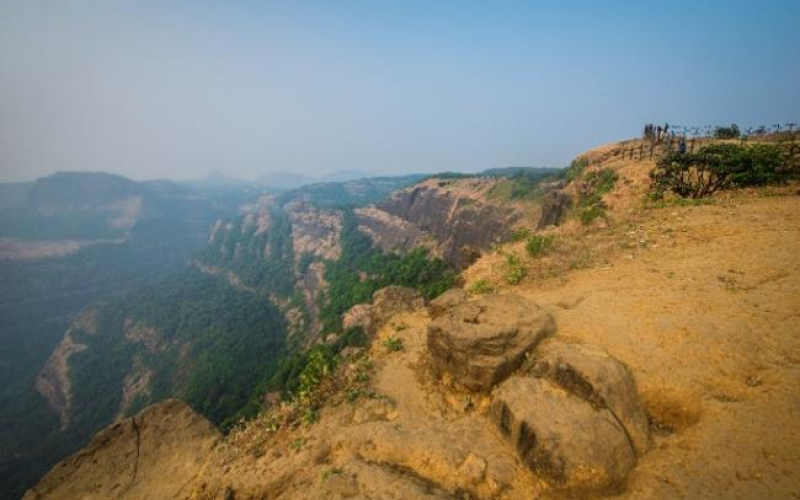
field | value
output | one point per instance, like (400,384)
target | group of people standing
(656,133)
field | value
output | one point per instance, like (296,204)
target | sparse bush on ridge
(576,168)
(515,270)
(538,246)
(481,286)
(520,234)
(590,194)
(717,167)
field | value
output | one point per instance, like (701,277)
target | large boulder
(480,342)
(592,374)
(563,438)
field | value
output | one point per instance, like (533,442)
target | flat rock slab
(481,342)
(151,455)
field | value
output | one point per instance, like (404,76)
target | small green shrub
(393,344)
(352,394)
(320,363)
(481,286)
(332,471)
(515,270)
(589,214)
(520,234)
(601,181)
(576,168)
(310,415)
(539,246)
(590,195)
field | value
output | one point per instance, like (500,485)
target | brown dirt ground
(708,318)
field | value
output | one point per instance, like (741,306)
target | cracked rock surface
(480,342)
(152,455)
(575,418)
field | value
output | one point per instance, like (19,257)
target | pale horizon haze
(175,89)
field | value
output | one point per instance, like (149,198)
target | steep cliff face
(315,231)
(456,219)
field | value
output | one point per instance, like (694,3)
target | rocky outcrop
(53,381)
(386,302)
(312,283)
(480,342)
(314,230)
(576,418)
(359,316)
(555,205)
(152,455)
(390,232)
(135,385)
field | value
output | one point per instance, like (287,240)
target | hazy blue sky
(175,89)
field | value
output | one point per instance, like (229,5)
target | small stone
(473,469)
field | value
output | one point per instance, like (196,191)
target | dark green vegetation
(210,343)
(481,286)
(353,279)
(351,193)
(364,269)
(594,185)
(40,298)
(576,168)
(520,234)
(731,132)
(515,270)
(529,172)
(215,334)
(539,246)
(522,184)
(717,167)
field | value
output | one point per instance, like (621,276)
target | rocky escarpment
(561,417)
(455,219)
